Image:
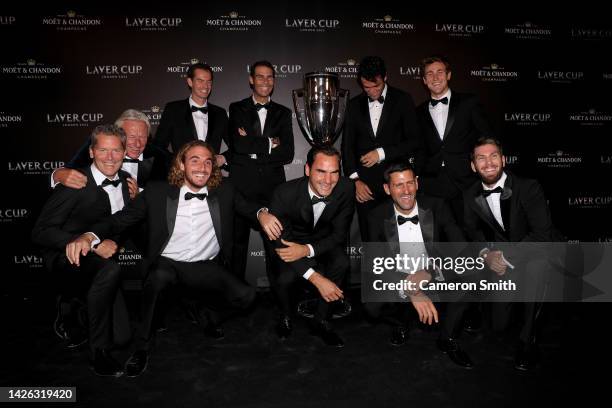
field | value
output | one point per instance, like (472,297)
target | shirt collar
(415,211)
(185,189)
(193,103)
(383,94)
(312,193)
(447,95)
(98,176)
(500,182)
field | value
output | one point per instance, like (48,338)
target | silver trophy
(320,107)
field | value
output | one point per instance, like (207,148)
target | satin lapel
(365,114)
(144,169)
(305,204)
(98,191)
(390,229)
(254,118)
(387,108)
(172,200)
(426,222)
(452,110)
(431,124)
(215,213)
(271,117)
(189,125)
(485,212)
(507,205)
(125,191)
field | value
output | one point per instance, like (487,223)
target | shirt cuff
(96,240)
(308,273)
(53,182)
(269,146)
(311,252)
(381,154)
(260,210)
(354,176)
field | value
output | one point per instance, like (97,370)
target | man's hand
(370,158)
(328,289)
(220,160)
(275,142)
(270,224)
(425,308)
(70,178)
(242,132)
(106,249)
(362,192)
(132,187)
(293,251)
(495,262)
(78,247)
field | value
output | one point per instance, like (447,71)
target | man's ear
(307,170)
(386,187)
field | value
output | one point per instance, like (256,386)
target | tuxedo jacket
(70,212)
(465,124)
(154,164)
(524,212)
(292,205)
(157,206)
(176,126)
(397,134)
(254,177)
(437,225)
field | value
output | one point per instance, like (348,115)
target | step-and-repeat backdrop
(545,86)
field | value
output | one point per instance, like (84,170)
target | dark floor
(252,368)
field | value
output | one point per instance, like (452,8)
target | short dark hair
(326,150)
(262,63)
(370,67)
(435,58)
(199,65)
(396,166)
(108,130)
(485,141)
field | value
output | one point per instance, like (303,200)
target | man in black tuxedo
(450,123)
(194,118)
(380,126)
(261,137)
(504,208)
(408,218)
(143,160)
(70,212)
(190,221)
(315,212)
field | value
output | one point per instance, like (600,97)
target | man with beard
(505,208)
(190,221)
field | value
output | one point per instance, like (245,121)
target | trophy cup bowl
(320,107)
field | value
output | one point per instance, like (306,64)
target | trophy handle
(300,113)
(343,97)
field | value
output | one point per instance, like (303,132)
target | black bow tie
(380,99)
(199,196)
(203,109)
(108,182)
(434,102)
(130,160)
(259,106)
(486,193)
(315,200)
(401,220)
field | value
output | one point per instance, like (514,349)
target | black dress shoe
(399,335)
(526,357)
(472,322)
(58,324)
(324,330)
(137,363)
(454,352)
(213,331)
(103,364)
(284,327)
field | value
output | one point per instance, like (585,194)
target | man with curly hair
(190,220)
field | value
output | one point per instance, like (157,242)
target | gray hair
(133,114)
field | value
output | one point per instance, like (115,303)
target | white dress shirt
(493,200)
(439,114)
(262,114)
(317,210)
(115,194)
(193,238)
(200,120)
